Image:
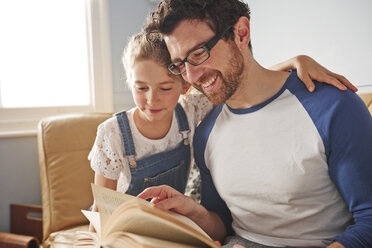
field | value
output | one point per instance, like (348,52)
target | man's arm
(309,70)
(349,158)
(166,198)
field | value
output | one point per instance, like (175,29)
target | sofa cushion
(367,98)
(64,143)
(64,238)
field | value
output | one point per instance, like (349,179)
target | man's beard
(231,80)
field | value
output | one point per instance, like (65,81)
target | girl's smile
(155,111)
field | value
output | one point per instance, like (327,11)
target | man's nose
(192,73)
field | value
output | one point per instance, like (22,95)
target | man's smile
(208,86)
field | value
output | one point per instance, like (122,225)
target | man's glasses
(196,56)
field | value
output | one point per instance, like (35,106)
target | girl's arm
(309,70)
(101,180)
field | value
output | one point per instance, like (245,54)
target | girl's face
(154,91)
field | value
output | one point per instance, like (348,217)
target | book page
(189,222)
(142,219)
(94,219)
(107,200)
(122,239)
(84,239)
(126,213)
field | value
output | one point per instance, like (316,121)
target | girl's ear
(185,88)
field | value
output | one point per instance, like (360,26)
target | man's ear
(185,88)
(242,32)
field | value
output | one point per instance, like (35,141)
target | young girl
(150,144)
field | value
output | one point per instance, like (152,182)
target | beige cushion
(64,238)
(64,143)
(367,98)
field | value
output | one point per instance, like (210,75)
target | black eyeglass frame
(207,47)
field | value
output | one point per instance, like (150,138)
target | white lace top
(107,154)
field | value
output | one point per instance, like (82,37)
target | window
(54,60)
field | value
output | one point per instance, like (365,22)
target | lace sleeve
(106,156)
(199,103)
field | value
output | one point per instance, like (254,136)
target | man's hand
(166,198)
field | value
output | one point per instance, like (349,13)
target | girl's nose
(152,96)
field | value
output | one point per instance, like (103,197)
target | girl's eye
(166,89)
(141,88)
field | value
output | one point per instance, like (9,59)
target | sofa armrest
(26,219)
(11,240)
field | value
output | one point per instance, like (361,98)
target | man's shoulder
(327,96)
(324,96)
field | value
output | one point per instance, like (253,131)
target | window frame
(23,121)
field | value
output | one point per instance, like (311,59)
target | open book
(127,221)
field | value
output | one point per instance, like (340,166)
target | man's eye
(199,54)
(173,66)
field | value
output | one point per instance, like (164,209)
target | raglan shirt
(295,170)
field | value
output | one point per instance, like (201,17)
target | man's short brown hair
(217,13)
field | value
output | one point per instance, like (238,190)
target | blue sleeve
(212,201)
(210,198)
(349,154)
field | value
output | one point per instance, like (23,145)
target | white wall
(337,33)
(126,18)
(19,175)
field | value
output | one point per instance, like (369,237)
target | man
(280,166)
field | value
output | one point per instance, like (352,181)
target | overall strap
(182,123)
(129,149)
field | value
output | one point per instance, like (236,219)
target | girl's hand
(308,70)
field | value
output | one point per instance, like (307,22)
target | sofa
(367,99)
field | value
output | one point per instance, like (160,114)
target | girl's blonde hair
(144,46)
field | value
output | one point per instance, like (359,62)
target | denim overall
(171,167)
